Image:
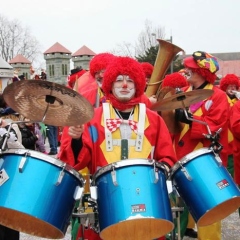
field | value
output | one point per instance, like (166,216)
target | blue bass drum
(37,192)
(205,186)
(132,200)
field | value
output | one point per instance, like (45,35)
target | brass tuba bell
(166,53)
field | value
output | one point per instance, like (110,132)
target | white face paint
(123,88)
(230,89)
(188,73)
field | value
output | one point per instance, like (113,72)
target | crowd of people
(114,90)
(124,126)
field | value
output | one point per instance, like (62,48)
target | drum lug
(114,177)
(22,162)
(217,157)
(187,175)
(155,173)
(61,175)
(78,193)
(93,192)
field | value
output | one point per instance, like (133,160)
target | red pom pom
(147,69)
(174,80)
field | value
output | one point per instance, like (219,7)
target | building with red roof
(82,57)
(21,65)
(58,63)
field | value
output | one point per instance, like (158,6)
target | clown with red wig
(200,70)
(124,120)
(75,74)
(90,84)
(230,85)
(148,70)
(235,129)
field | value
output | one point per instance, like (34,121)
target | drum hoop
(45,158)
(123,163)
(189,157)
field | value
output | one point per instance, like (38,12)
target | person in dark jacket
(29,138)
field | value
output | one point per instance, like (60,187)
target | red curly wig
(147,69)
(100,62)
(124,66)
(205,73)
(174,80)
(229,79)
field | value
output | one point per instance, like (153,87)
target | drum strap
(141,125)
(138,143)
(108,134)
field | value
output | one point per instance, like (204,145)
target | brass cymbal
(48,102)
(180,100)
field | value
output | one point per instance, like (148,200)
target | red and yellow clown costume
(87,86)
(231,79)
(214,111)
(95,152)
(235,128)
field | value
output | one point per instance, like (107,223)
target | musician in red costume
(148,70)
(201,71)
(235,128)
(90,84)
(76,73)
(230,85)
(99,142)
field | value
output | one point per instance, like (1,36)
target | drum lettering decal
(138,208)
(3,177)
(222,184)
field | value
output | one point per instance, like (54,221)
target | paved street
(230,230)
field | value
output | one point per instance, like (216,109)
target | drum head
(189,157)
(48,159)
(125,163)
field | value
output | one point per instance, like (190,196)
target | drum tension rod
(184,170)
(114,176)
(23,161)
(155,173)
(61,175)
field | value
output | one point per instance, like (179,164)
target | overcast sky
(207,25)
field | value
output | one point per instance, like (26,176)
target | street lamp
(171,41)
(154,37)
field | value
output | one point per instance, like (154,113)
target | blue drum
(38,193)
(132,200)
(205,186)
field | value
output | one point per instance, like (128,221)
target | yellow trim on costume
(197,113)
(113,156)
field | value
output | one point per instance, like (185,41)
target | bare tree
(147,38)
(15,39)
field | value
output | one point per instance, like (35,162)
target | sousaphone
(166,53)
